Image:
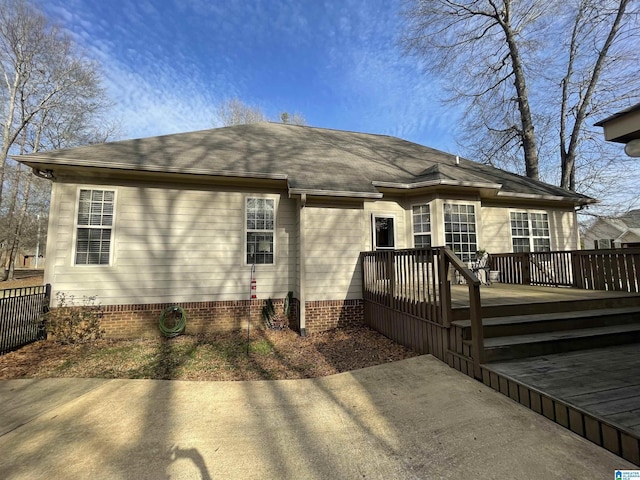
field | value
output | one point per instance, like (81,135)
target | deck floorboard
(507,294)
(603,381)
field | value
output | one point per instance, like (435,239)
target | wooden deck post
(477,331)
(526,268)
(445,289)
(578,280)
(391,272)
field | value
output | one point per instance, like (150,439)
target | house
(614,232)
(181,219)
(624,127)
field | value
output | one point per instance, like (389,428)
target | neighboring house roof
(627,224)
(312,160)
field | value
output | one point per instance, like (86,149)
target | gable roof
(626,223)
(311,160)
(631,218)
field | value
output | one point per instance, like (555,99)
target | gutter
(433,183)
(555,198)
(334,193)
(153,168)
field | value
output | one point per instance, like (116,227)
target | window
(260,216)
(460,230)
(384,234)
(94,227)
(421,226)
(530,232)
(604,243)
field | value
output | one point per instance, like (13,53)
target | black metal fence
(21,316)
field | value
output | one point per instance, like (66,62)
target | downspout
(301,260)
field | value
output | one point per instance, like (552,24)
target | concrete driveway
(414,419)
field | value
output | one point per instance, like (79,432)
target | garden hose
(177,319)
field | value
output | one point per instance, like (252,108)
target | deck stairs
(520,331)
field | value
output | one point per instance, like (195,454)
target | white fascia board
(554,198)
(435,183)
(333,193)
(154,168)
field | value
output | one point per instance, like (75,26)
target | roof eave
(551,198)
(435,183)
(39,164)
(333,193)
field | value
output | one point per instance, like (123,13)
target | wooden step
(531,345)
(551,322)
(617,300)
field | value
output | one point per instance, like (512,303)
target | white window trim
(413,234)
(275,199)
(76,227)
(605,241)
(531,236)
(373,233)
(477,208)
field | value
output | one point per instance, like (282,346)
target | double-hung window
(260,223)
(604,243)
(460,230)
(421,226)
(530,232)
(94,227)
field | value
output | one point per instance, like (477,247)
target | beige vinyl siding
(563,226)
(333,242)
(495,234)
(172,245)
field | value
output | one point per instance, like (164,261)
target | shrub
(70,324)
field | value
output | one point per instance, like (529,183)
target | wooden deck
(604,382)
(501,294)
(570,351)
(594,392)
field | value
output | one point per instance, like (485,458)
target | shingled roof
(315,160)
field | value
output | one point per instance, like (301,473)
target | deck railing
(615,270)
(410,291)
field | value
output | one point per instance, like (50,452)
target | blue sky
(167,63)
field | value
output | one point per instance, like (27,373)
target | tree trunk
(568,153)
(527,131)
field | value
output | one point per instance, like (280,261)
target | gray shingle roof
(309,158)
(631,219)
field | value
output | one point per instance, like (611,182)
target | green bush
(70,324)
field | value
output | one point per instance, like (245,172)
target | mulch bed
(273,355)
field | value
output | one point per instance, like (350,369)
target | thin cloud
(167,64)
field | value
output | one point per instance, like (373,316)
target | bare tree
(235,112)
(530,74)
(50,97)
(41,72)
(295,119)
(596,26)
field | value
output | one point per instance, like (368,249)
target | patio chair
(482,265)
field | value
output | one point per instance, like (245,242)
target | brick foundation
(134,321)
(326,315)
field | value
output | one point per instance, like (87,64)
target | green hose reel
(173,321)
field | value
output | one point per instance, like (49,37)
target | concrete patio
(413,419)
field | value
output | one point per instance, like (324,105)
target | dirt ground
(23,282)
(272,355)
